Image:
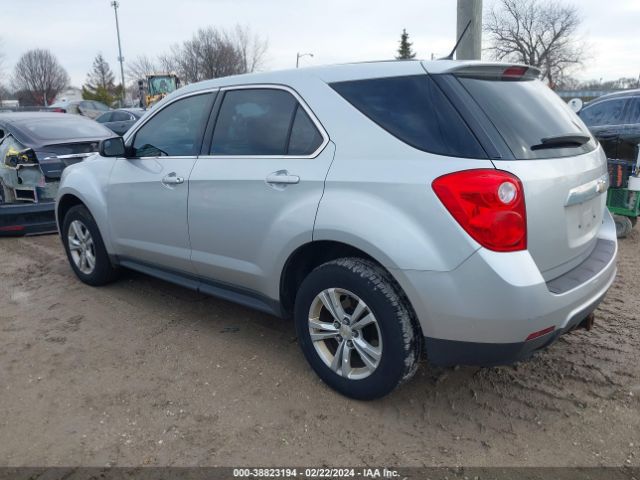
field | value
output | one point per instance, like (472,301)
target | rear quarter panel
(378,195)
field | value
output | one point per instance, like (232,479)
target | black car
(121,120)
(34,149)
(614,120)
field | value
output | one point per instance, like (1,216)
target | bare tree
(40,76)
(140,67)
(253,48)
(213,53)
(538,33)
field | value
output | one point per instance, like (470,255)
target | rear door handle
(172,179)
(282,177)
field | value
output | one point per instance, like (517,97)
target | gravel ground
(146,373)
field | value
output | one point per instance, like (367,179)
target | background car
(119,121)
(614,120)
(87,108)
(34,150)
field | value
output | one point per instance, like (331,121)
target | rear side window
(413,109)
(305,138)
(525,113)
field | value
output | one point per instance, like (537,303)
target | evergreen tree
(100,83)
(404,51)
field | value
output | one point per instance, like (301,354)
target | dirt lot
(146,373)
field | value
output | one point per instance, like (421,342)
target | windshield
(530,117)
(160,85)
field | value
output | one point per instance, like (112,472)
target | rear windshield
(413,109)
(66,126)
(526,112)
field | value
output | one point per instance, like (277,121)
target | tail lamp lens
(488,204)
(514,73)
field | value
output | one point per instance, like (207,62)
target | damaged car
(34,150)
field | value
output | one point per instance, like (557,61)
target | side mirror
(112,147)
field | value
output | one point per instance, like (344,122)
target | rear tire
(624,225)
(366,341)
(85,249)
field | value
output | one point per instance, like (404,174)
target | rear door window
(254,122)
(608,112)
(414,110)
(526,113)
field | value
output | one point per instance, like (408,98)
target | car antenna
(450,56)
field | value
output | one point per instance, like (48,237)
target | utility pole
(300,55)
(470,47)
(115,6)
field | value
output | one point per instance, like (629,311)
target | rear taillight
(488,205)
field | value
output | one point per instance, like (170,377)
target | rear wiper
(562,141)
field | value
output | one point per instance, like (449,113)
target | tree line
(38,77)
(541,33)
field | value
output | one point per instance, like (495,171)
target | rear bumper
(27,219)
(447,353)
(482,312)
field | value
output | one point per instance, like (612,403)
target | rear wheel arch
(313,254)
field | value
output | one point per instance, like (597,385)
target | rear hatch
(530,132)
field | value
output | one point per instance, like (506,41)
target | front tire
(85,249)
(356,328)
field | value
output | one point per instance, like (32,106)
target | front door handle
(282,177)
(172,179)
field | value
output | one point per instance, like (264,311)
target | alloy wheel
(81,247)
(345,333)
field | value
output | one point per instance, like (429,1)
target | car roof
(635,92)
(334,73)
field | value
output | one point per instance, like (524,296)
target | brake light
(514,73)
(488,204)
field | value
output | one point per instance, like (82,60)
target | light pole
(115,6)
(300,55)
(471,42)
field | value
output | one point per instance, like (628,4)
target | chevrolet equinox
(388,207)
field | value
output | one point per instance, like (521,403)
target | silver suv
(389,207)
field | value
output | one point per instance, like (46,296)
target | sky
(335,31)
